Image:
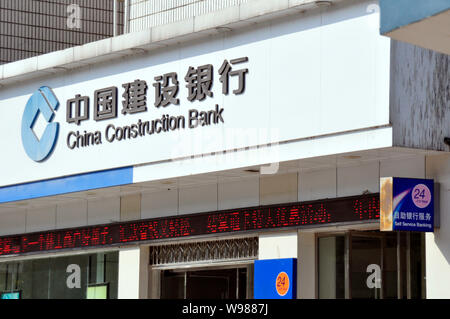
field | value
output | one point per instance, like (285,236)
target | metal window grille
(219,250)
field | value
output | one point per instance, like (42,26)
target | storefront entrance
(371,265)
(205,284)
(208,269)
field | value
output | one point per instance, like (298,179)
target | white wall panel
(307,270)
(278,245)
(133,273)
(130,207)
(12,221)
(41,218)
(198,199)
(159,204)
(241,193)
(317,184)
(356,180)
(71,214)
(413,166)
(276,189)
(103,210)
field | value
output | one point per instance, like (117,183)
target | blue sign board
(407,204)
(275,279)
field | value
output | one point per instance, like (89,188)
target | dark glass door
(371,265)
(204,284)
(365,267)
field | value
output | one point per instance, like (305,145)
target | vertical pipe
(126,20)
(115,5)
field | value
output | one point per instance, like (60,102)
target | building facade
(32,27)
(224,142)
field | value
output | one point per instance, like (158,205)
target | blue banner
(275,279)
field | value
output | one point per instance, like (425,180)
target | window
(50,278)
(371,265)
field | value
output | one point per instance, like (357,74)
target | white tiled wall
(149,13)
(413,167)
(130,207)
(71,214)
(159,204)
(278,245)
(317,184)
(355,180)
(41,218)
(13,221)
(235,194)
(198,199)
(278,189)
(103,210)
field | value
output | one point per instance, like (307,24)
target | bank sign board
(406,204)
(235,93)
(103,106)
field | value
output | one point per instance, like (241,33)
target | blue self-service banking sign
(406,204)
(275,279)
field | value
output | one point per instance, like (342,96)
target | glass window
(204,284)
(379,265)
(365,259)
(331,267)
(68,277)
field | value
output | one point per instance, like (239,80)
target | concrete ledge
(251,12)
(124,43)
(18,68)
(55,59)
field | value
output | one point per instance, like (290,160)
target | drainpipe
(126,20)
(115,5)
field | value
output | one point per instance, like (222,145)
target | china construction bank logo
(43,103)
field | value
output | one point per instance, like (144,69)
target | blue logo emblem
(43,102)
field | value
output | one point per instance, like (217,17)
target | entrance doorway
(207,269)
(371,265)
(222,283)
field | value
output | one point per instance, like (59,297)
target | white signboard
(301,78)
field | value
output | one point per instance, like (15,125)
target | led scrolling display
(348,209)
